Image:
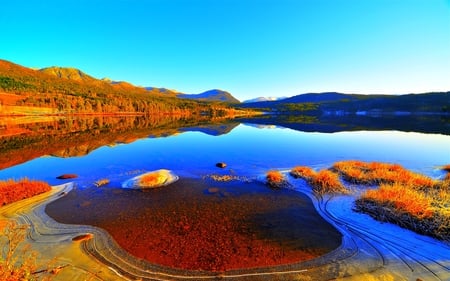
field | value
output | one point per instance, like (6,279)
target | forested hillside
(68,91)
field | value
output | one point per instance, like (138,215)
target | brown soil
(184,225)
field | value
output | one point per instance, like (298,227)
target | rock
(213,190)
(67,176)
(221,165)
(152,179)
(83,237)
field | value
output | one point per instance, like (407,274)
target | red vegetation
(12,191)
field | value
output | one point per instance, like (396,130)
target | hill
(71,91)
(211,95)
(338,103)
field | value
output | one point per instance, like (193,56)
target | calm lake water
(248,150)
(228,222)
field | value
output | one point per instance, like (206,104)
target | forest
(22,89)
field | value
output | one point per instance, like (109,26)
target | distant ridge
(212,95)
(260,99)
(335,103)
(67,73)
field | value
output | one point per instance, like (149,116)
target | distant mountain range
(78,75)
(211,95)
(333,103)
(260,99)
(69,90)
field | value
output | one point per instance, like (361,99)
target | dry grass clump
(373,173)
(226,178)
(325,181)
(402,198)
(405,198)
(12,191)
(303,172)
(101,182)
(276,179)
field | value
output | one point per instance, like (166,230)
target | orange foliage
(12,191)
(275,179)
(402,198)
(326,181)
(377,173)
(303,172)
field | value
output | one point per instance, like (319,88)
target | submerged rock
(67,176)
(221,165)
(151,180)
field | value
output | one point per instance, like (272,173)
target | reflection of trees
(65,137)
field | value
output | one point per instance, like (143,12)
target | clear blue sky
(250,48)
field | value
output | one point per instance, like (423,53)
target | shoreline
(369,248)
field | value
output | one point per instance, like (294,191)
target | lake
(248,149)
(215,223)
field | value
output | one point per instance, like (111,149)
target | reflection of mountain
(67,137)
(430,124)
(337,103)
(211,129)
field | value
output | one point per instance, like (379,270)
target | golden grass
(402,198)
(303,172)
(276,179)
(377,173)
(101,182)
(12,191)
(326,181)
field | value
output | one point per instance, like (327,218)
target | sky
(250,48)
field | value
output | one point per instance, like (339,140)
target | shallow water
(204,225)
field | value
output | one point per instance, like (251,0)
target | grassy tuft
(326,181)
(401,198)
(12,191)
(276,179)
(303,172)
(375,173)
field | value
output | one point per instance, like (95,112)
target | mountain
(61,90)
(67,73)
(260,99)
(338,103)
(211,95)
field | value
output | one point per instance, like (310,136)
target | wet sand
(204,225)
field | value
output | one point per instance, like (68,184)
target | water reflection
(97,147)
